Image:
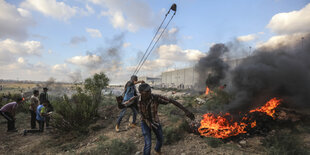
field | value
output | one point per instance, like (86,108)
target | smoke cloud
(212,68)
(281,72)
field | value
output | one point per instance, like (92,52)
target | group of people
(147,105)
(39,108)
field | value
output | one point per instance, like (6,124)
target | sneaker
(117,128)
(157,153)
(25,132)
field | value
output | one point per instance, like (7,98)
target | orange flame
(220,127)
(269,107)
(207,90)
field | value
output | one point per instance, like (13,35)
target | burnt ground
(102,132)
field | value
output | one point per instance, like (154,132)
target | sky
(70,40)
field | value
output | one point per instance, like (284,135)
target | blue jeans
(146,130)
(122,114)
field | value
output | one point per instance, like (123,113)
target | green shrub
(284,144)
(117,147)
(213,142)
(114,147)
(77,113)
(217,100)
(175,132)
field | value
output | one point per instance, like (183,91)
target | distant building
(152,81)
(187,77)
(181,78)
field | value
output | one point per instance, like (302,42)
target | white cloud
(86,61)
(14,21)
(60,68)
(11,49)
(291,22)
(129,15)
(247,38)
(173,30)
(175,53)
(23,70)
(52,8)
(288,40)
(250,37)
(126,45)
(21,60)
(22,48)
(168,56)
(95,33)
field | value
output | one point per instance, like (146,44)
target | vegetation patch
(284,143)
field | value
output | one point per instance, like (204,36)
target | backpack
(119,100)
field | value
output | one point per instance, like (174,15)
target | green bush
(114,147)
(284,144)
(117,147)
(213,142)
(77,113)
(175,132)
(217,100)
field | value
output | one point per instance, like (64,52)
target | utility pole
(302,43)
(250,50)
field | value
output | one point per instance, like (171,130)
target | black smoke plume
(212,68)
(282,72)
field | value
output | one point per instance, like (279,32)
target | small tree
(95,85)
(79,111)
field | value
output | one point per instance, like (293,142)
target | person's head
(145,90)
(36,93)
(45,89)
(45,103)
(134,78)
(20,100)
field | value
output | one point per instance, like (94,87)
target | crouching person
(41,116)
(148,107)
(8,112)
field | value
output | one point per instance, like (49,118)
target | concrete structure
(187,77)
(181,78)
(152,81)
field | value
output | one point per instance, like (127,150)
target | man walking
(148,107)
(129,92)
(8,112)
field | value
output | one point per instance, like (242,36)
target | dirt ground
(103,130)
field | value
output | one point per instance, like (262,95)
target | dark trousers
(41,128)
(47,121)
(11,121)
(122,114)
(33,119)
(146,130)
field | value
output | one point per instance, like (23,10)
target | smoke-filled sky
(72,39)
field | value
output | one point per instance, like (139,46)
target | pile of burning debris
(258,121)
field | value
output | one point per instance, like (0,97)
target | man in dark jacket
(148,107)
(129,92)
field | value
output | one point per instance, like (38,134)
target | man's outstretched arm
(179,105)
